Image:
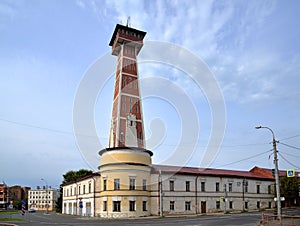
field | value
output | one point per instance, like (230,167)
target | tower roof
(129,29)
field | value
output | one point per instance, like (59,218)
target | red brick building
(3,196)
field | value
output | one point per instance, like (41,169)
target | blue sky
(46,48)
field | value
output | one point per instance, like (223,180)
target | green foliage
(73,175)
(289,186)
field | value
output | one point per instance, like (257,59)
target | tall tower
(125,166)
(127,118)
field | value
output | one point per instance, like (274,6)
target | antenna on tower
(128,22)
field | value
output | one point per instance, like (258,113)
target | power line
(291,155)
(42,128)
(297,167)
(287,138)
(245,159)
(290,146)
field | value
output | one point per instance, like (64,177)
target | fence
(285,220)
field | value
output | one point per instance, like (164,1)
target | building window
(135,84)
(217,186)
(104,185)
(79,190)
(172,205)
(131,205)
(217,205)
(116,184)
(144,185)
(230,205)
(187,206)
(132,184)
(203,186)
(74,191)
(269,189)
(246,205)
(246,186)
(258,205)
(257,188)
(230,187)
(270,205)
(83,189)
(122,136)
(116,206)
(187,186)
(104,205)
(90,187)
(171,185)
(144,205)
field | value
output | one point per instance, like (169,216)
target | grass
(10,219)
(8,212)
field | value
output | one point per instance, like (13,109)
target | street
(246,219)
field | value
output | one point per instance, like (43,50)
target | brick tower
(127,119)
(125,166)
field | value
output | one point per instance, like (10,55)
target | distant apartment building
(43,197)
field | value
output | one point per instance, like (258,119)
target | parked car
(31,210)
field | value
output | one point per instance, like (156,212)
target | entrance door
(203,207)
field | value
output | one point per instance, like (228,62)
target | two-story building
(184,190)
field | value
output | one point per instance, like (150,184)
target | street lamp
(276,171)
(46,195)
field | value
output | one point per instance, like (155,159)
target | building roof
(266,171)
(82,178)
(210,172)
(118,26)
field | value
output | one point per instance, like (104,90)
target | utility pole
(277,182)
(225,194)
(160,195)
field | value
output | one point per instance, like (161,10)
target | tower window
(144,185)
(116,206)
(122,136)
(116,184)
(131,205)
(104,185)
(132,184)
(144,205)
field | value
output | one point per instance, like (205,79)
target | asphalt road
(246,219)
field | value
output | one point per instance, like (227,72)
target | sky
(250,49)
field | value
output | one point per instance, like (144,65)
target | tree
(289,189)
(68,177)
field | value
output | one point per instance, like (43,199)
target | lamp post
(46,195)
(276,171)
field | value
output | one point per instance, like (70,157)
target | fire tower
(125,166)
(127,119)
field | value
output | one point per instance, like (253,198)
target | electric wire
(290,154)
(297,167)
(241,160)
(287,138)
(290,146)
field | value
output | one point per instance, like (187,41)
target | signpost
(23,207)
(290,173)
